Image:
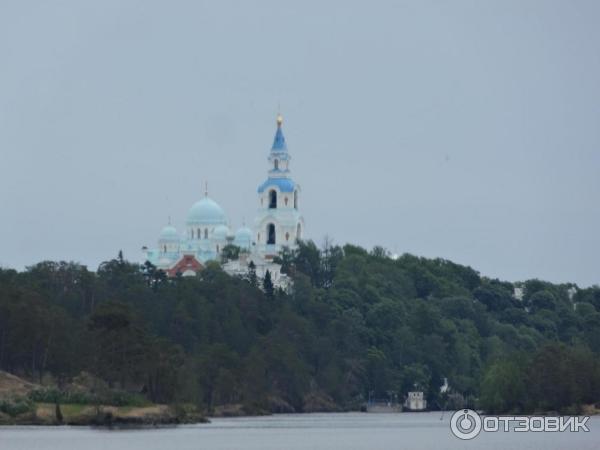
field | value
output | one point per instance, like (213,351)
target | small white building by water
(415,401)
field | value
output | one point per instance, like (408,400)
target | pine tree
(268,284)
(251,277)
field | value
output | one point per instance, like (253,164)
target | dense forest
(356,324)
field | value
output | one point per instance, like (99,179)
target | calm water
(348,431)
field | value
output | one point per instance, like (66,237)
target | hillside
(356,324)
(11,385)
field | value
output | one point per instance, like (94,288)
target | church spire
(279,144)
(278,224)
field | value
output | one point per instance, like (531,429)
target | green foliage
(53,395)
(15,407)
(503,387)
(230,252)
(553,378)
(251,276)
(268,285)
(355,323)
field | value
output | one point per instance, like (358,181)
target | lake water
(347,431)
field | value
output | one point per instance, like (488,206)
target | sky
(466,130)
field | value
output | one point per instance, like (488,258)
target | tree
(503,387)
(332,255)
(494,296)
(120,342)
(543,299)
(380,252)
(308,261)
(230,253)
(268,285)
(251,276)
(286,258)
(154,277)
(552,384)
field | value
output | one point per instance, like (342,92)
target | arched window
(271,234)
(198,233)
(165,248)
(287,236)
(206,233)
(272,199)
(285,200)
(298,232)
(276,164)
(295,199)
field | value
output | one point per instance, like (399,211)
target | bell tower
(278,221)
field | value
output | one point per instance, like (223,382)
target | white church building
(278,224)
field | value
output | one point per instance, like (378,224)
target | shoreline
(105,416)
(165,416)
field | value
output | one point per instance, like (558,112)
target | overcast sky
(468,130)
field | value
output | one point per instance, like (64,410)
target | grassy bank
(83,403)
(101,415)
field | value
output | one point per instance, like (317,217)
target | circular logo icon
(465,424)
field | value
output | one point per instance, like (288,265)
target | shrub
(15,407)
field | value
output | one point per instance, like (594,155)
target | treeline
(357,324)
(553,378)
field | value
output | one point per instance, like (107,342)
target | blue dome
(206,211)
(284,184)
(169,234)
(243,238)
(221,232)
